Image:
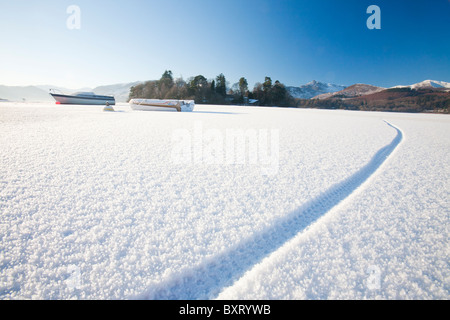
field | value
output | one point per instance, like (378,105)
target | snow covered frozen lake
(317,204)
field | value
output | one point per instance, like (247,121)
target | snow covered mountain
(428,84)
(312,89)
(120,91)
(355,90)
(24,93)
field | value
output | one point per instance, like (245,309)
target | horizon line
(143,81)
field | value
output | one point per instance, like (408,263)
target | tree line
(213,91)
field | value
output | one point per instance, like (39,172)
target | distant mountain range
(312,89)
(120,91)
(28,93)
(425,96)
(320,90)
(355,90)
(428,84)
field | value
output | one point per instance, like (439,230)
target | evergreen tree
(221,86)
(258,93)
(166,79)
(198,88)
(267,85)
(279,94)
(243,86)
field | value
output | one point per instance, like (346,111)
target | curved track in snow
(208,279)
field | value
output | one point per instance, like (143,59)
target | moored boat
(162,105)
(87,98)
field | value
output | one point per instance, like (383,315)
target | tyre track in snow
(207,280)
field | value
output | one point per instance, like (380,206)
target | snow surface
(95,206)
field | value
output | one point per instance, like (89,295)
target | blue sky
(290,41)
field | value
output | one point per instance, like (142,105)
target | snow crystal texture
(93,205)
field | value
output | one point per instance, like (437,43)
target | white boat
(88,98)
(162,105)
